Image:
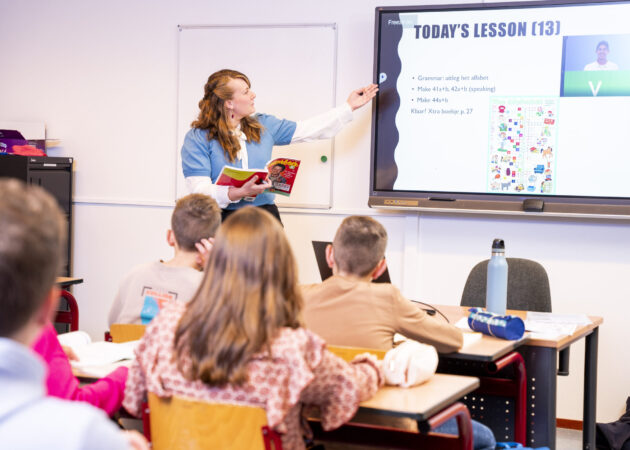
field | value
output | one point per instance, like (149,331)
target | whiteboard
(292,69)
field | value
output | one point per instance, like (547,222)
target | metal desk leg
(540,363)
(563,362)
(590,390)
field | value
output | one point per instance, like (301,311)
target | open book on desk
(280,172)
(545,325)
(96,358)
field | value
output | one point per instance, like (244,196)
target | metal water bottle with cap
(496,286)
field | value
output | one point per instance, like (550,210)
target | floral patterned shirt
(297,371)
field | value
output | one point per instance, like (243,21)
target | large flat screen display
(503,107)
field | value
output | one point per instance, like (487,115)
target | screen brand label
(401,202)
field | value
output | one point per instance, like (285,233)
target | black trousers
(272,209)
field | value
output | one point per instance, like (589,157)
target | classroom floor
(568,439)
(565,440)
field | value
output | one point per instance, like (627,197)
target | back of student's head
(196,216)
(359,245)
(248,293)
(32,240)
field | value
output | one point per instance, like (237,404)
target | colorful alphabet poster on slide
(522,141)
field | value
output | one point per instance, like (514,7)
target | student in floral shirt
(240,339)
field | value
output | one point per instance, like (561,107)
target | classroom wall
(102,75)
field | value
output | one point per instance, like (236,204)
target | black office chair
(528,286)
(528,289)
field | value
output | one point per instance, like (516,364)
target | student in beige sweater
(348,309)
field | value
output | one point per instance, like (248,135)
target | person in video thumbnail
(602,62)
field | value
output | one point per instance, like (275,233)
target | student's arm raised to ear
(204,247)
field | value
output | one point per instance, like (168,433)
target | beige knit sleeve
(414,323)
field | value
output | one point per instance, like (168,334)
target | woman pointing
(228,131)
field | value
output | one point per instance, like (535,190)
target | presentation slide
(512,100)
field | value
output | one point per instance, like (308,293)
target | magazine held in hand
(280,172)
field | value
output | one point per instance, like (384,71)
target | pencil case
(508,445)
(504,327)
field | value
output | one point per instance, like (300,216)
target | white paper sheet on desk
(542,330)
(463,324)
(575,319)
(103,353)
(74,339)
(551,325)
(100,371)
(469,336)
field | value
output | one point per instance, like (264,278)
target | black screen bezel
(564,205)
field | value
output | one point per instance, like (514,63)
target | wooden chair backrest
(125,332)
(348,353)
(180,423)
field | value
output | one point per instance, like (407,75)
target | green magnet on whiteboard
(324,158)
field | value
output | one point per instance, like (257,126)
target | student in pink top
(106,393)
(240,339)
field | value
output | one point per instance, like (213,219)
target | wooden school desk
(430,404)
(422,402)
(64,282)
(541,359)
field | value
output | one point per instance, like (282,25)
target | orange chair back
(180,423)
(125,332)
(348,353)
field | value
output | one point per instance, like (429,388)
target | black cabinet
(51,173)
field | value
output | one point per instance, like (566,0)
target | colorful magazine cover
(280,172)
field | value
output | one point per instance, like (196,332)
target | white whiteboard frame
(333,26)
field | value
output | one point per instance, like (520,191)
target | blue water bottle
(496,286)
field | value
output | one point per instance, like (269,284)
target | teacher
(228,131)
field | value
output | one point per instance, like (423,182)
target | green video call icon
(596,83)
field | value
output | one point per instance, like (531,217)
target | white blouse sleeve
(323,126)
(203,185)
